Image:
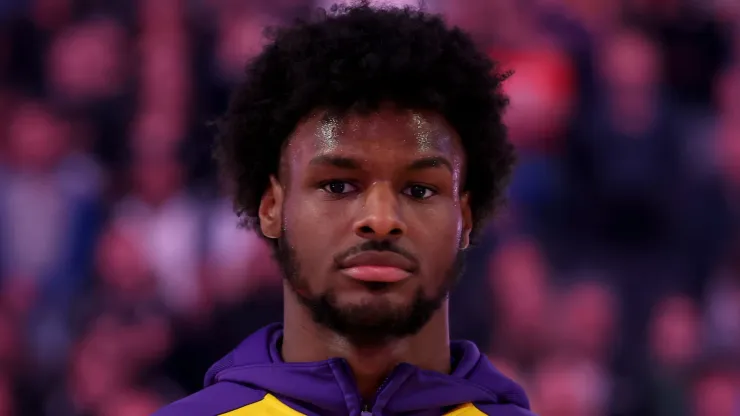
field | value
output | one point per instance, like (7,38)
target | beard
(373,323)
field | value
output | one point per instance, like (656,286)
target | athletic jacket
(254,380)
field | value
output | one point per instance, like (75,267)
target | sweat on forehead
(420,130)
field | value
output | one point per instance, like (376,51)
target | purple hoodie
(254,380)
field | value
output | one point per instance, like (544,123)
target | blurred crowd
(608,285)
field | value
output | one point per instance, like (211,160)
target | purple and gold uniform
(254,380)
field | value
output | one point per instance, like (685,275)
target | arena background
(609,285)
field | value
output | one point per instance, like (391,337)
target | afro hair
(355,58)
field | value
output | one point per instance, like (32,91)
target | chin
(367,318)
(374,309)
(373,300)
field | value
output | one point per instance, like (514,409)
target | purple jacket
(253,380)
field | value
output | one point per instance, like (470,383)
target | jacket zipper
(367,407)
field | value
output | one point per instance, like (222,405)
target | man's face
(356,192)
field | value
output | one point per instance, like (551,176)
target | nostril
(396,231)
(366,230)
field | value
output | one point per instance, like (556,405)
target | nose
(380,217)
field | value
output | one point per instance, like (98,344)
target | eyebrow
(431,162)
(349,163)
(335,161)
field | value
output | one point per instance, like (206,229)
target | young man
(367,145)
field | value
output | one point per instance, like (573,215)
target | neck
(306,341)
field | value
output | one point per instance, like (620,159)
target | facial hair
(366,325)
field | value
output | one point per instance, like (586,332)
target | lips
(377,266)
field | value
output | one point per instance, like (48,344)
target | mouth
(376,274)
(377,267)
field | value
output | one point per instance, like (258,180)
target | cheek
(436,233)
(314,230)
(315,219)
(443,223)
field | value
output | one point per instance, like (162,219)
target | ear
(271,209)
(467,217)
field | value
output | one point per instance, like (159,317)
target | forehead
(385,132)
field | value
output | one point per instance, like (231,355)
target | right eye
(338,187)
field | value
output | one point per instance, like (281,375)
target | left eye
(338,187)
(419,192)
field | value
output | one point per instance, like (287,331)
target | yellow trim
(268,406)
(466,410)
(271,406)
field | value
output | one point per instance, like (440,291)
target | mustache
(373,245)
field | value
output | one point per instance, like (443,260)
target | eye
(419,192)
(338,187)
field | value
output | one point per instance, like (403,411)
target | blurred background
(609,284)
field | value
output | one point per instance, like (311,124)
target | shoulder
(217,399)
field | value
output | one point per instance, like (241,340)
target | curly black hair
(355,58)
